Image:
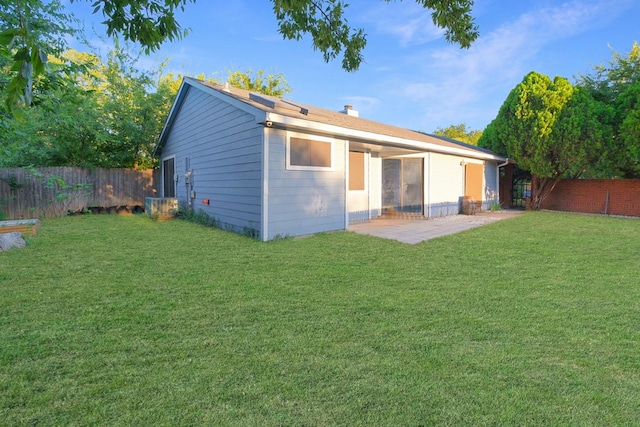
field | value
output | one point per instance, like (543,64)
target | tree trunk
(540,189)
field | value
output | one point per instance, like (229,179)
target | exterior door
(168,177)
(402,185)
(473,181)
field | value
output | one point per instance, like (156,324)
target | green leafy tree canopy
(617,85)
(460,133)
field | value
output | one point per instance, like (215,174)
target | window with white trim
(307,152)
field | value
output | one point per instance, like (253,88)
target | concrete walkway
(418,230)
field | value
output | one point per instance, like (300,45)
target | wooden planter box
(28,227)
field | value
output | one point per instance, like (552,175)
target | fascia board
(258,113)
(379,139)
(182,91)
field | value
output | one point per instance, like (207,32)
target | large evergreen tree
(550,129)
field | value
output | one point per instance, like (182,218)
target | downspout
(506,162)
(264,226)
(367,157)
(347,145)
(429,175)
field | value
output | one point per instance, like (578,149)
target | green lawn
(122,321)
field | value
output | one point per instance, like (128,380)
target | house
(275,167)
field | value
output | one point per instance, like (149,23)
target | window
(356,171)
(309,154)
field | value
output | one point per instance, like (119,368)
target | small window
(356,171)
(309,154)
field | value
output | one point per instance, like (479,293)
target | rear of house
(271,167)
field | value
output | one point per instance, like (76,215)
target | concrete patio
(418,230)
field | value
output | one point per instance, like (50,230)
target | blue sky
(411,76)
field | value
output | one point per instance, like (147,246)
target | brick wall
(590,196)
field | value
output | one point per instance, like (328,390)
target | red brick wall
(590,196)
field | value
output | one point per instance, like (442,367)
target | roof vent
(226,87)
(349,111)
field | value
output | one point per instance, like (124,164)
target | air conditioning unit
(161,208)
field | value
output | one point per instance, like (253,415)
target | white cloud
(456,79)
(409,23)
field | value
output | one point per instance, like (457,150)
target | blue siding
(304,202)
(224,146)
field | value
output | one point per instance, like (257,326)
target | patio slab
(414,231)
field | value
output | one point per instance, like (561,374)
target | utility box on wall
(162,208)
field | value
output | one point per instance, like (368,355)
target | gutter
(285,122)
(507,161)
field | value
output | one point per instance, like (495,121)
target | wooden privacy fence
(53,191)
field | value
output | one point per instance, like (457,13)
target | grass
(108,320)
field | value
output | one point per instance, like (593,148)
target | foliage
(14,186)
(187,213)
(64,194)
(93,114)
(496,207)
(152,22)
(608,82)
(629,130)
(147,22)
(13,183)
(269,84)
(617,85)
(62,129)
(35,29)
(114,320)
(550,129)
(30,31)
(460,133)
(96,113)
(331,33)
(132,115)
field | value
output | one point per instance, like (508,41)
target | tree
(628,109)
(151,22)
(34,29)
(96,113)
(30,31)
(607,82)
(269,84)
(460,133)
(616,84)
(550,129)
(99,114)
(331,33)
(63,129)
